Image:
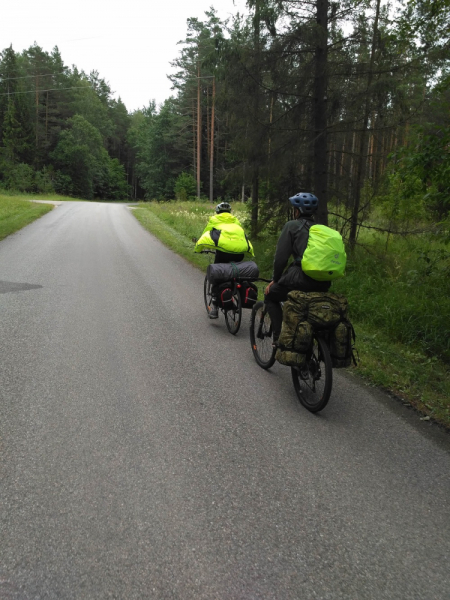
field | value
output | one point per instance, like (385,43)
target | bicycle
(233,315)
(313,382)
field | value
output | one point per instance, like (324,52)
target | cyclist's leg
(278,293)
(214,310)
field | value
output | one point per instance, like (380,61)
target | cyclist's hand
(267,290)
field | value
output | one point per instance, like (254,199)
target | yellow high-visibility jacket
(224,232)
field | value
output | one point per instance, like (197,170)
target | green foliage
(185,187)
(112,184)
(77,155)
(403,203)
(404,292)
(69,130)
(44,181)
(421,173)
(19,177)
(160,151)
(84,166)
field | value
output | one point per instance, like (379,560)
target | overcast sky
(130,43)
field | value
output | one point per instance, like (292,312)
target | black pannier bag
(221,272)
(249,294)
(225,296)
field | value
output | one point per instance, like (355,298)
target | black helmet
(305,202)
(223,207)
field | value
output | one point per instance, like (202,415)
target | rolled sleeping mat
(242,271)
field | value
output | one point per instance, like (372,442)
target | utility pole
(255,147)
(37,110)
(199,132)
(211,158)
(199,129)
(194,159)
(320,111)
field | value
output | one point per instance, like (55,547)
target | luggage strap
(235,270)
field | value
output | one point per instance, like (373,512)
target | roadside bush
(185,187)
(43,181)
(20,177)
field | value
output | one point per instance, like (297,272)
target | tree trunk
(320,112)
(256,141)
(211,156)
(255,207)
(363,137)
(199,130)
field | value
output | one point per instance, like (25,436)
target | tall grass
(403,290)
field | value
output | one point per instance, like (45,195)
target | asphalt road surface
(144,454)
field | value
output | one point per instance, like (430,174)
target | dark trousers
(227,257)
(278,293)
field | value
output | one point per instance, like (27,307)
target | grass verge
(419,379)
(17,212)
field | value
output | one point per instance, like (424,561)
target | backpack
(324,258)
(249,294)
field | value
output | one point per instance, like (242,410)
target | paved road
(144,454)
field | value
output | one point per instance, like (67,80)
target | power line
(26,76)
(80,87)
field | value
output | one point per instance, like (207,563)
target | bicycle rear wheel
(261,336)
(313,383)
(233,316)
(207,295)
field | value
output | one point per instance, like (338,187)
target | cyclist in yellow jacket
(225,235)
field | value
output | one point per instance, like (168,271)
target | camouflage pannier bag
(326,310)
(341,342)
(294,341)
(296,334)
(304,312)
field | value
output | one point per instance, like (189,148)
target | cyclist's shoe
(213,312)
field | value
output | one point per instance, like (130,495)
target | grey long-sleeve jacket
(292,242)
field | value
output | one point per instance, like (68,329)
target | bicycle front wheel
(261,336)
(233,315)
(313,383)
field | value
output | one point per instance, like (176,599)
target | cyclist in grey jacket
(292,242)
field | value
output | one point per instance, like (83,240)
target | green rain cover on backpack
(324,258)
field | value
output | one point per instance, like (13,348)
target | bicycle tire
(207,294)
(313,383)
(233,317)
(262,347)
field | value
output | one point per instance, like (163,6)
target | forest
(348,100)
